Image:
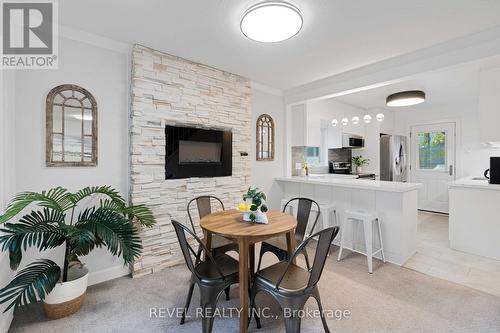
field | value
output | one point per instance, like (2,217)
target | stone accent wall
(170,90)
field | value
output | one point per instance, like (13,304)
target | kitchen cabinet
(298,114)
(306,127)
(334,137)
(489,100)
(310,126)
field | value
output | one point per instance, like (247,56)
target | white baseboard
(108,274)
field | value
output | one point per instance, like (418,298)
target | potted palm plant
(359,161)
(61,221)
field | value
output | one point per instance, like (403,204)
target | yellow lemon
(243,207)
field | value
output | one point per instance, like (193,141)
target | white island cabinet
(395,202)
(474,225)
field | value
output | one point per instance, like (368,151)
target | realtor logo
(29,34)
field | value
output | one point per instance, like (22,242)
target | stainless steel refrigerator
(394,158)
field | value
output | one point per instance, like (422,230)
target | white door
(433,164)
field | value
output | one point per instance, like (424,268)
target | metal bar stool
(368,219)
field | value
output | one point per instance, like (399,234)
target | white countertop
(474,183)
(350,181)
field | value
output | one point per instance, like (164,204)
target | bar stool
(328,218)
(368,218)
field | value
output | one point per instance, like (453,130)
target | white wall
(472,156)
(264,172)
(105,74)
(7,182)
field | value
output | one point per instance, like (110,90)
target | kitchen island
(395,202)
(474,225)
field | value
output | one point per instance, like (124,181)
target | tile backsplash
(298,156)
(340,155)
(337,155)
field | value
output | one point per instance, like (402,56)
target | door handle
(451,170)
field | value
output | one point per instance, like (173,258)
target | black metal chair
(291,285)
(213,275)
(219,244)
(204,205)
(277,245)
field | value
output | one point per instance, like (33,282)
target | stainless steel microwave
(352,141)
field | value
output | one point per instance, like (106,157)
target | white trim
(96,40)
(108,274)
(263,88)
(457,51)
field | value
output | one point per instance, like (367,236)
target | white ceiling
(456,84)
(452,85)
(338,35)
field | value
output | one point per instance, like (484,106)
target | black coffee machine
(494,171)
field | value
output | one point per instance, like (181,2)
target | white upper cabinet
(309,121)
(489,105)
(298,125)
(306,127)
(334,137)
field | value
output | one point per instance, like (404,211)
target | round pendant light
(406,98)
(271,21)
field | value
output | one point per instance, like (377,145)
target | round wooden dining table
(230,224)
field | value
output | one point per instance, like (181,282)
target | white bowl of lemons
(244,208)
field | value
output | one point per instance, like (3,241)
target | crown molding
(95,40)
(263,88)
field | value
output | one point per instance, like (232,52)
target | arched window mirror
(71,127)
(265,138)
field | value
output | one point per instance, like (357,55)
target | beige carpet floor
(392,299)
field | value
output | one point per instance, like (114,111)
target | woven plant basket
(56,311)
(67,297)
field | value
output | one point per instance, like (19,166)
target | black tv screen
(196,152)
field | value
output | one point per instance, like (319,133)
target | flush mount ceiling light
(335,122)
(406,98)
(271,21)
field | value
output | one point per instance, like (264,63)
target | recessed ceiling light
(406,98)
(335,122)
(344,121)
(355,120)
(271,21)
(367,118)
(380,117)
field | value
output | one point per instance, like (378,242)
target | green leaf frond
(57,199)
(37,279)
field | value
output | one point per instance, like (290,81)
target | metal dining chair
(277,245)
(204,206)
(219,244)
(291,285)
(213,275)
